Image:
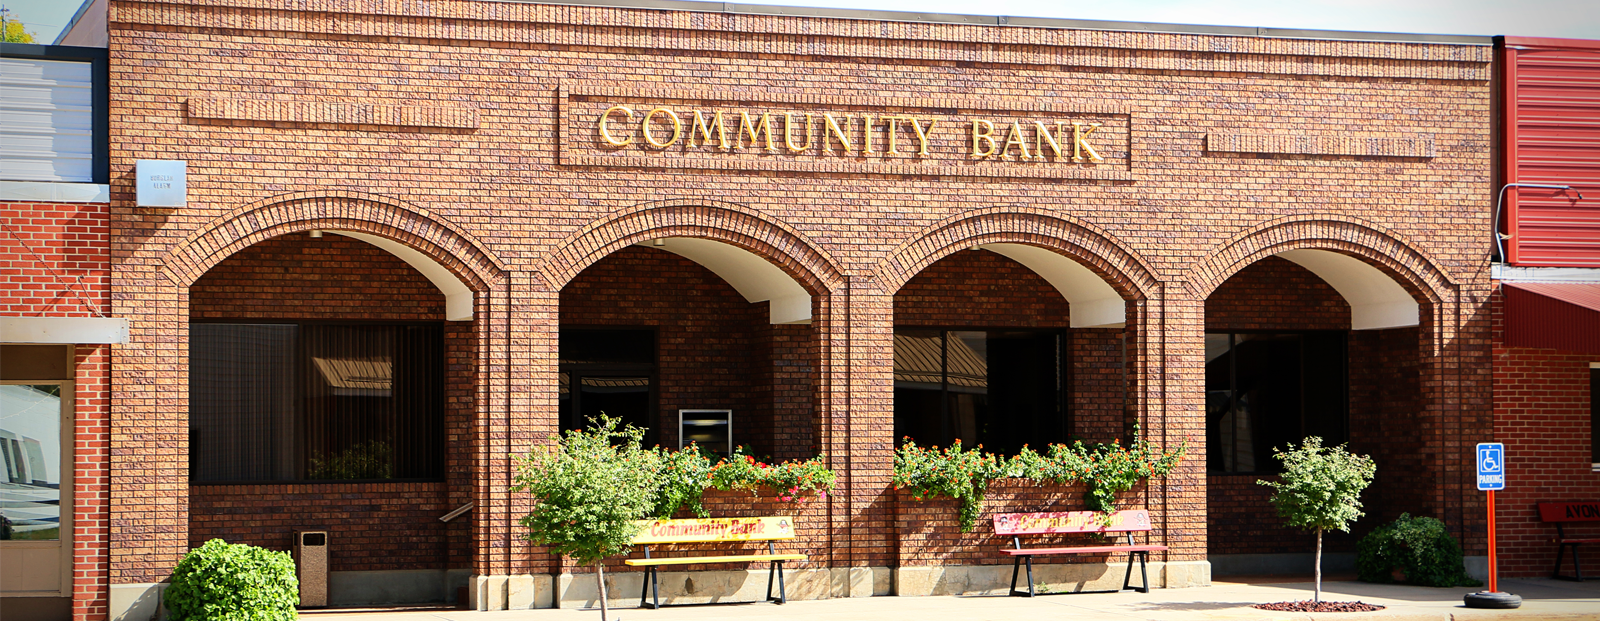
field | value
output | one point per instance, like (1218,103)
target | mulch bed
(1309,606)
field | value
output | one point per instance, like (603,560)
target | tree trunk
(600,577)
(1316,592)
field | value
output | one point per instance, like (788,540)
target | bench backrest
(1588,511)
(715,529)
(1134,520)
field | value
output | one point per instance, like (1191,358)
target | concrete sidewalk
(1542,600)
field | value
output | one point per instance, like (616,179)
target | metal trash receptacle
(311,567)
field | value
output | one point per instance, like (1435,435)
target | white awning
(63,330)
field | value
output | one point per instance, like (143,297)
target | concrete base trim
(1287,563)
(137,602)
(1047,578)
(399,586)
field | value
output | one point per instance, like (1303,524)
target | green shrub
(1420,547)
(223,582)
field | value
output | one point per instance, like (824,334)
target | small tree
(591,487)
(1321,489)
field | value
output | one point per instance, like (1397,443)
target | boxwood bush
(220,581)
(1420,547)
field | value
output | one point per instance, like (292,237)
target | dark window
(998,388)
(610,371)
(1264,391)
(296,402)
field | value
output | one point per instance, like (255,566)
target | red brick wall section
(979,289)
(1276,294)
(91,492)
(55,261)
(371,525)
(297,276)
(1541,411)
(73,240)
(1387,422)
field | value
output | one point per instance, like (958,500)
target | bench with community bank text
(1086,522)
(1561,514)
(711,530)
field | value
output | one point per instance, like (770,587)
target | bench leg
(1016,566)
(783,595)
(651,589)
(1144,572)
(644,590)
(1561,553)
(1127,576)
(1577,566)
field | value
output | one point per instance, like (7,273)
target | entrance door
(36,488)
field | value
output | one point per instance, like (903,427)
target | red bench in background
(1561,514)
(1126,522)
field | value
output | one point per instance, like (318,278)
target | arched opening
(1007,345)
(692,339)
(1309,342)
(331,388)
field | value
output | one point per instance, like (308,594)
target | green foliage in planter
(1420,547)
(951,472)
(684,476)
(225,582)
(1107,470)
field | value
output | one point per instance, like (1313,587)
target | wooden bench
(658,532)
(1562,513)
(1126,522)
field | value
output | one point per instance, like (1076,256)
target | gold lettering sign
(609,126)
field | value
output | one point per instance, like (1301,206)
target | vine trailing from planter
(964,474)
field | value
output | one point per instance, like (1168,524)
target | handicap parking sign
(1491,466)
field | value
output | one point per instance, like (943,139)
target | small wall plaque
(162,183)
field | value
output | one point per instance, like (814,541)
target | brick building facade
(492,168)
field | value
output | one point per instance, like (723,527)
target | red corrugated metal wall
(1552,136)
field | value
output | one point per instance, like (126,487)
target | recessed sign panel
(162,183)
(1491,466)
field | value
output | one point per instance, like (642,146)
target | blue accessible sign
(1491,466)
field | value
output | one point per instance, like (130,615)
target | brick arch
(1386,251)
(1118,265)
(350,211)
(729,223)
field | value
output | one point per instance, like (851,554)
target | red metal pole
(1493,583)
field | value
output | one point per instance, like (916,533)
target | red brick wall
(1276,294)
(979,289)
(301,277)
(56,262)
(74,242)
(371,525)
(1541,412)
(91,492)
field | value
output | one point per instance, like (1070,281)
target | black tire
(1486,599)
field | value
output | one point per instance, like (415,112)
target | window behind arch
(316,401)
(1265,390)
(1001,388)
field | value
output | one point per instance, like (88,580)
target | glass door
(36,488)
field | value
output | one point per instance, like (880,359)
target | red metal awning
(1563,316)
